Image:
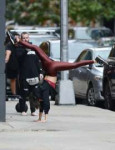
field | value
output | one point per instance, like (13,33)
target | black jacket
(13,62)
(31,66)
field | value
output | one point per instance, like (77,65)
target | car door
(76,75)
(82,74)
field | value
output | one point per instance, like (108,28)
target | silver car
(87,80)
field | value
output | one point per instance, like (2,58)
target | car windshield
(96,33)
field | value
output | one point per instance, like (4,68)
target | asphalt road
(77,127)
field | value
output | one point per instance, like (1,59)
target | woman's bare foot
(40,121)
(43,120)
(40,118)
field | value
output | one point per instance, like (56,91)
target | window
(85,55)
(81,57)
(88,56)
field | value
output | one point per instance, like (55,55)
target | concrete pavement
(69,127)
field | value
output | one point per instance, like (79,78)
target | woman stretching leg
(51,68)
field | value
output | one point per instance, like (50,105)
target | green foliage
(88,10)
(36,12)
(31,12)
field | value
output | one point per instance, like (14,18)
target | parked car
(109,79)
(94,33)
(88,33)
(87,80)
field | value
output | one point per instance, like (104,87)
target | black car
(109,79)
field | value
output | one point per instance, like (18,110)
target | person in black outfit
(12,67)
(29,73)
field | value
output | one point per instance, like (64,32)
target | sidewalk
(76,127)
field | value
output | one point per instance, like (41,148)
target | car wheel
(109,103)
(90,96)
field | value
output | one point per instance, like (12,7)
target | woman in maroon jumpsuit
(51,68)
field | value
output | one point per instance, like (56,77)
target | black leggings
(45,92)
(25,90)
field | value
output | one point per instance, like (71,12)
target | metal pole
(64,36)
(2,61)
(66,92)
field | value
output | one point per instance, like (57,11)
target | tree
(32,12)
(36,12)
(91,10)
